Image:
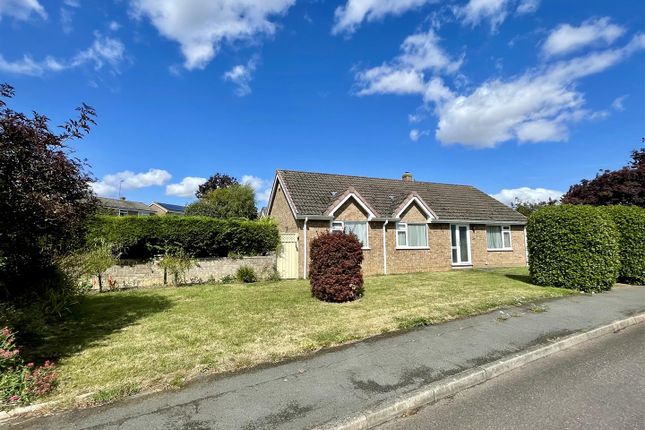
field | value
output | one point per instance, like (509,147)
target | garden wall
(137,273)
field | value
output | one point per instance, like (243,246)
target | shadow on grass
(96,317)
(522,278)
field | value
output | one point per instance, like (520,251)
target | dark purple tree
(624,186)
(45,197)
(215,182)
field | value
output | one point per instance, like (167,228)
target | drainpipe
(526,247)
(304,263)
(385,248)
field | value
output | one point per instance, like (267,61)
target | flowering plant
(21,383)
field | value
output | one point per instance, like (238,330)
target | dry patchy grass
(159,338)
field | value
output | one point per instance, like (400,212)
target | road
(597,385)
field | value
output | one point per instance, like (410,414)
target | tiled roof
(171,208)
(313,193)
(123,204)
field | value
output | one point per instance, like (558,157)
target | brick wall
(484,258)
(281,213)
(133,273)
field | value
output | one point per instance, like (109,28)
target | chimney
(407,177)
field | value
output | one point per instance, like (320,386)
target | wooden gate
(287,261)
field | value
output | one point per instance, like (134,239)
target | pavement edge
(469,378)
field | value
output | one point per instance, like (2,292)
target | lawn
(121,342)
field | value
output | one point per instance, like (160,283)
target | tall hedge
(630,221)
(142,237)
(335,268)
(573,247)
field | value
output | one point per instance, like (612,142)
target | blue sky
(517,97)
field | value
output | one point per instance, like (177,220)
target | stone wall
(134,273)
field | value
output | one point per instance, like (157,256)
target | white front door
(460,241)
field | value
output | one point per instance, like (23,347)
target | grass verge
(159,338)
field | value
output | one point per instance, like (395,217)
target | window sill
(500,250)
(462,265)
(404,248)
(366,249)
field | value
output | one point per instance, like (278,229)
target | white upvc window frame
(403,227)
(340,226)
(505,230)
(337,226)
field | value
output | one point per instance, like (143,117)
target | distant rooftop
(124,204)
(170,207)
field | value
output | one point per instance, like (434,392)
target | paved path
(304,393)
(595,385)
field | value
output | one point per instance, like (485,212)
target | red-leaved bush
(335,269)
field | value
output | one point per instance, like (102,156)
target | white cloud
(566,38)
(526,195)
(618,103)
(420,53)
(527,6)
(202,26)
(261,187)
(347,18)
(104,50)
(129,180)
(536,106)
(241,76)
(389,80)
(477,11)
(25,66)
(114,26)
(21,9)
(416,118)
(186,188)
(66,18)
(416,134)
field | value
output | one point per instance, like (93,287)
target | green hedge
(630,221)
(142,237)
(573,247)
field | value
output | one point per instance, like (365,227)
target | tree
(236,201)
(527,208)
(176,262)
(45,197)
(625,186)
(215,182)
(97,259)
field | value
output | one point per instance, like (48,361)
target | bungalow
(167,208)
(404,225)
(123,207)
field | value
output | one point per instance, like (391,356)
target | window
(411,235)
(498,237)
(359,228)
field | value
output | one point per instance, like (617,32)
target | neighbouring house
(404,225)
(123,207)
(167,209)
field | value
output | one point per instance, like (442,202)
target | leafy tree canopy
(625,186)
(215,182)
(527,208)
(45,196)
(235,201)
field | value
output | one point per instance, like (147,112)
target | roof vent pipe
(407,177)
